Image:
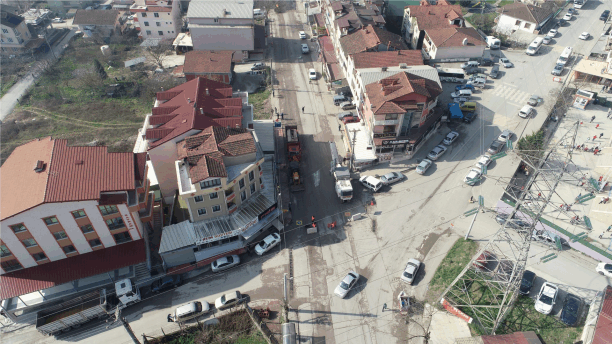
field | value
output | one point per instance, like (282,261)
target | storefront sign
(382,135)
(456,311)
(267,211)
(394,142)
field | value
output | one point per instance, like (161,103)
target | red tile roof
(69,269)
(328,49)
(196,104)
(384,95)
(369,38)
(208,62)
(453,37)
(529,337)
(70,174)
(435,17)
(387,58)
(603,330)
(530,13)
(95,17)
(205,151)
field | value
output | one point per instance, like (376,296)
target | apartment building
(68,213)
(157,19)
(15,35)
(417,19)
(345,17)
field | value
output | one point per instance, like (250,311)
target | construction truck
(295,177)
(95,305)
(344,189)
(294,148)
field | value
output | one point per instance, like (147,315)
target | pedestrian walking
(602,200)
(597,126)
(384,307)
(601,235)
(592,118)
(609,228)
(289,206)
(600,178)
(339,127)
(275,109)
(272,93)
(601,135)
(594,137)
(581,123)
(277,116)
(313,218)
(303,109)
(595,151)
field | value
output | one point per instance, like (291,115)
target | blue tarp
(455,111)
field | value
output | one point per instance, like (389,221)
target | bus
(579,3)
(565,55)
(534,46)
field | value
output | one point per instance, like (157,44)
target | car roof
(304,45)
(414,261)
(349,277)
(549,289)
(528,274)
(312,70)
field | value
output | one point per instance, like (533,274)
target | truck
(295,177)
(294,148)
(493,42)
(79,310)
(342,175)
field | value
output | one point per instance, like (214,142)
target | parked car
(225,263)
(341,115)
(469,117)
(57,20)
(478,76)
(437,152)
(461,93)
(469,64)
(527,282)
(546,298)
(267,243)
(166,283)
(546,40)
(302,35)
(482,260)
(371,183)
(604,269)
(312,74)
(516,224)
(495,147)
(423,166)
(526,111)
(486,62)
(392,177)
(350,119)
(464,87)
(567,17)
(411,270)
(460,100)
(505,135)
(604,15)
(506,63)
(347,283)
(572,10)
(562,22)
(483,160)
(552,33)
(472,177)
(450,138)
(258,65)
(534,100)
(494,72)
(584,36)
(473,70)
(571,310)
(347,106)
(305,49)
(189,311)
(228,300)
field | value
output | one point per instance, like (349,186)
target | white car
(228,300)
(505,135)
(546,40)
(546,298)
(57,20)
(506,63)
(312,74)
(526,111)
(346,284)
(472,177)
(437,152)
(423,166)
(225,263)
(567,17)
(392,177)
(552,33)
(371,183)
(411,270)
(302,35)
(460,100)
(483,160)
(450,138)
(305,49)
(584,36)
(267,243)
(604,269)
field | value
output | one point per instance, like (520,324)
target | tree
(159,52)
(533,142)
(100,69)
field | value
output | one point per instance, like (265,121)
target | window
(210,183)
(161,33)
(241,183)
(251,176)
(4,251)
(259,168)
(243,196)
(198,199)
(18,228)
(60,235)
(214,195)
(518,22)
(216,208)
(391,117)
(527,25)
(202,211)
(144,15)
(19,40)
(146,23)
(29,242)
(69,249)
(51,221)
(120,238)
(252,188)
(108,209)
(87,229)
(39,256)
(78,214)
(158,24)
(148,32)
(156,15)
(11,265)
(216,20)
(115,223)
(2,41)
(4,31)
(95,243)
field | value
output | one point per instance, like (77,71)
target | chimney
(40,166)
(188,100)
(207,92)
(465,41)
(201,111)
(195,105)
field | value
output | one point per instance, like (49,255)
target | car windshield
(546,299)
(262,243)
(344,285)
(407,274)
(230,259)
(223,299)
(608,267)
(525,283)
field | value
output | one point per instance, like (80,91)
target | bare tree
(419,321)
(159,52)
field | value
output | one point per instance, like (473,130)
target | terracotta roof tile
(208,62)
(530,13)
(95,17)
(356,17)
(453,37)
(432,17)
(370,37)
(387,58)
(603,329)
(385,94)
(528,337)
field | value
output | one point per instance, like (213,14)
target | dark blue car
(469,117)
(464,87)
(571,310)
(527,282)
(166,283)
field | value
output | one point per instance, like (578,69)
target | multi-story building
(69,214)
(184,111)
(417,19)
(157,19)
(61,7)
(15,34)
(525,17)
(345,17)
(213,65)
(222,25)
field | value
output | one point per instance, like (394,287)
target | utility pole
(354,131)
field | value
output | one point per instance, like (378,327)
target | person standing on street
(592,118)
(601,135)
(597,126)
(601,235)
(303,109)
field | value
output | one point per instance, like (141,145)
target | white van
(305,49)
(371,183)
(462,93)
(478,82)
(189,311)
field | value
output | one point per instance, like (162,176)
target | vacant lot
(456,259)
(72,100)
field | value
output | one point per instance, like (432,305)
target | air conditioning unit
(403,65)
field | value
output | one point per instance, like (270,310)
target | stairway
(141,273)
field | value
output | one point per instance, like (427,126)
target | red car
(350,119)
(483,259)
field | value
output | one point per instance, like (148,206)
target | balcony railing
(232,207)
(230,196)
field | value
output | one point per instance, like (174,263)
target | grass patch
(261,104)
(456,259)
(505,2)
(7,83)
(524,317)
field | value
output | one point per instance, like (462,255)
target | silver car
(225,263)
(411,270)
(392,177)
(506,63)
(437,152)
(450,138)
(347,283)
(424,166)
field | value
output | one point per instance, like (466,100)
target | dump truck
(294,148)
(295,177)
(342,175)
(95,305)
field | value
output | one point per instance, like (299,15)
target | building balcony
(146,213)
(230,196)
(231,207)
(387,122)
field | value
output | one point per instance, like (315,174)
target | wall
(507,24)
(22,33)
(167,21)
(214,38)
